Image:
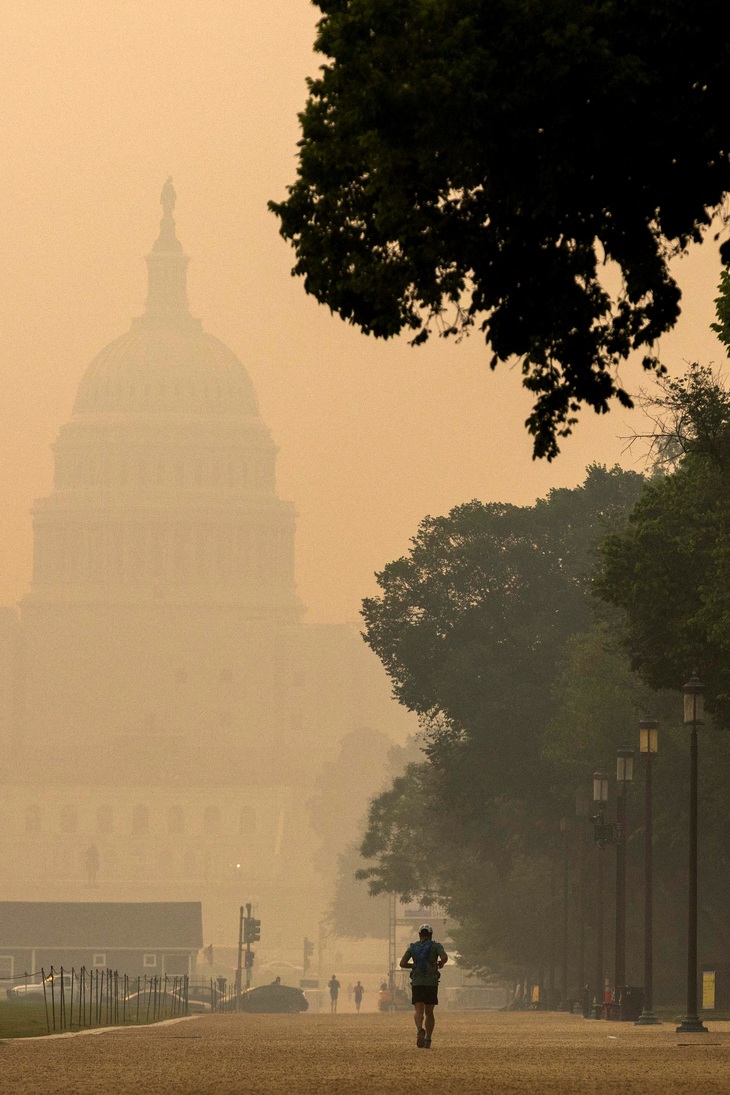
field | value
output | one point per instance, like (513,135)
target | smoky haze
(104,101)
(176,720)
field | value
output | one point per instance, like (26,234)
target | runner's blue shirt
(436,952)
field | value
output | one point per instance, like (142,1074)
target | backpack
(423,964)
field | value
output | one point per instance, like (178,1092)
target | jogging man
(424,959)
(334,986)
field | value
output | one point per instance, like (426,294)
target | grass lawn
(20,1019)
(26,1019)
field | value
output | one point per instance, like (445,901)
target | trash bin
(632,1002)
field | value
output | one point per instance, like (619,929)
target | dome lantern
(167,301)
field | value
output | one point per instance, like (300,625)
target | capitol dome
(166,364)
(157,369)
(165,475)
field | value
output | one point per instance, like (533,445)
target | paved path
(370,1054)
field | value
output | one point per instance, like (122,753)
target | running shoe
(421,1038)
(426,1043)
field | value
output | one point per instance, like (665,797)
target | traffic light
(251,930)
(248,956)
(308,952)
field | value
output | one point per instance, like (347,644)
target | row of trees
(530,641)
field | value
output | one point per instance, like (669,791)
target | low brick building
(137,938)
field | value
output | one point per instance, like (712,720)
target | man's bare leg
(418,1014)
(430,1019)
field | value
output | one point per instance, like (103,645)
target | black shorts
(424,994)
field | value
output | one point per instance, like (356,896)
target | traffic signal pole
(308,952)
(249,960)
(251,934)
(240,953)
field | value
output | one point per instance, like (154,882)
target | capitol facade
(164,708)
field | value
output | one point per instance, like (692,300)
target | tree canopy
(667,570)
(473,627)
(480,163)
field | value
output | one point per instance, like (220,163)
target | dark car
(274,997)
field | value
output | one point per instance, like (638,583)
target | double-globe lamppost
(693,716)
(582,812)
(648,747)
(600,798)
(624,776)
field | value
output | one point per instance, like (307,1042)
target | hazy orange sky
(102,101)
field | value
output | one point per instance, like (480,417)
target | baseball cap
(425,928)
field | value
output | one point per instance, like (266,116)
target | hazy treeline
(531,641)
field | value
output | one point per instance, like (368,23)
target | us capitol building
(163,706)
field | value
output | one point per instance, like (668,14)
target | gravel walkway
(372,1054)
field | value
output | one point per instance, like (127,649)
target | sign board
(708,990)
(424,913)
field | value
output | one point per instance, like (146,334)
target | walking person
(424,959)
(334,986)
(358,994)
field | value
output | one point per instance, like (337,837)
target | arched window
(246,821)
(176,820)
(211,820)
(140,818)
(104,818)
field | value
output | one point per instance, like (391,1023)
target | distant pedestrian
(357,992)
(334,987)
(424,959)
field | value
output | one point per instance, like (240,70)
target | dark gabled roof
(99,925)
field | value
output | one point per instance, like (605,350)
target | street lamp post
(693,716)
(648,746)
(564,1003)
(624,776)
(582,812)
(600,798)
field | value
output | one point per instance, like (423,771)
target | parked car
(274,998)
(34,989)
(201,997)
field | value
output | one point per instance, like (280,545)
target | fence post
(45,997)
(53,996)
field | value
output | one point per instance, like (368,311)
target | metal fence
(75,999)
